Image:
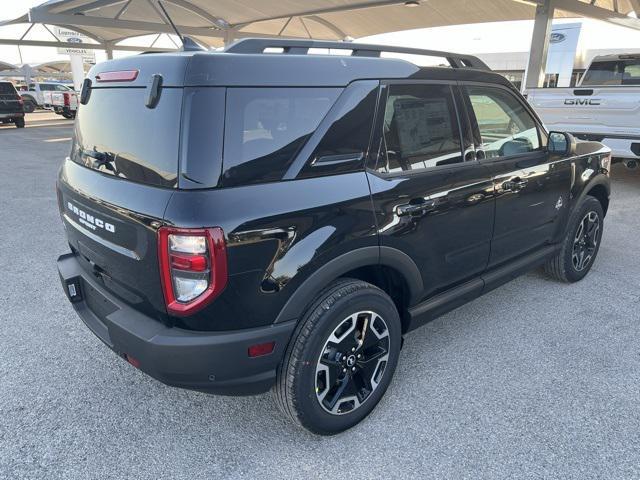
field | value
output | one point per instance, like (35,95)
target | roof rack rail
(301,47)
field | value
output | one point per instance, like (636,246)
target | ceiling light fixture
(412,3)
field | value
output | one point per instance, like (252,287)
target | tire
(29,106)
(313,370)
(579,252)
(19,122)
(68,116)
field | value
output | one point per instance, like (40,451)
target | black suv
(11,105)
(274,217)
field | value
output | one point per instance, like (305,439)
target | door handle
(514,185)
(416,209)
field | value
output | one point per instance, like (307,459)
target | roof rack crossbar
(301,47)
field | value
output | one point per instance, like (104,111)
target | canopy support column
(229,36)
(534,76)
(109,49)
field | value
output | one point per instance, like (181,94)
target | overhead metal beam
(87,46)
(122,10)
(215,21)
(38,15)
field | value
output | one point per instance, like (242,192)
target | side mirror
(562,143)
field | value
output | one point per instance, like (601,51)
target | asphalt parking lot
(534,380)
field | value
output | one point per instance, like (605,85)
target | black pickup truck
(11,105)
(275,217)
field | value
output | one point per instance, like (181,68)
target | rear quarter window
(266,127)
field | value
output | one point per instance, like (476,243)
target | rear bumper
(60,110)
(4,116)
(212,362)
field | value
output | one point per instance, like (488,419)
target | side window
(505,125)
(345,140)
(420,128)
(45,87)
(265,128)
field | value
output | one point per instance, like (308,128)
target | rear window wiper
(106,159)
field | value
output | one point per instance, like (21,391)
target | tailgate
(592,109)
(110,224)
(57,99)
(9,104)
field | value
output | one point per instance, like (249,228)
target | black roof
(230,69)
(245,64)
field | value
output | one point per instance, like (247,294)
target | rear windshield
(7,89)
(617,72)
(266,127)
(118,135)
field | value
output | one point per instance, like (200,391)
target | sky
(481,38)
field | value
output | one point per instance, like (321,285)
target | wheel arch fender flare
(598,182)
(338,266)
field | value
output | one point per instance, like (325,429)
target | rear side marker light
(133,361)
(193,267)
(117,76)
(261,349)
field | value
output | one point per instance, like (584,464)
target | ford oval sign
(557,37)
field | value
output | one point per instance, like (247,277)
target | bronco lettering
(89,220)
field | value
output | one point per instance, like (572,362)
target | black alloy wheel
(352,362)
(586,241)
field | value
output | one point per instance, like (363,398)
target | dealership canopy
(213,22)
(108,22)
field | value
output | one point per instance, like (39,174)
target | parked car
(301,213)
(605,107)
(65,103)
(39,95)
(11,105)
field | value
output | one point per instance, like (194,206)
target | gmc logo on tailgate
(582,101)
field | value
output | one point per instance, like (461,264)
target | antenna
(187,43)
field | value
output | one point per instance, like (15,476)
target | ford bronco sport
(272,217)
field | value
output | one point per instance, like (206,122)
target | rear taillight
(20,100)
(193,267)
(67,99)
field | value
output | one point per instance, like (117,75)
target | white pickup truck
(39,94)
(605,107)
